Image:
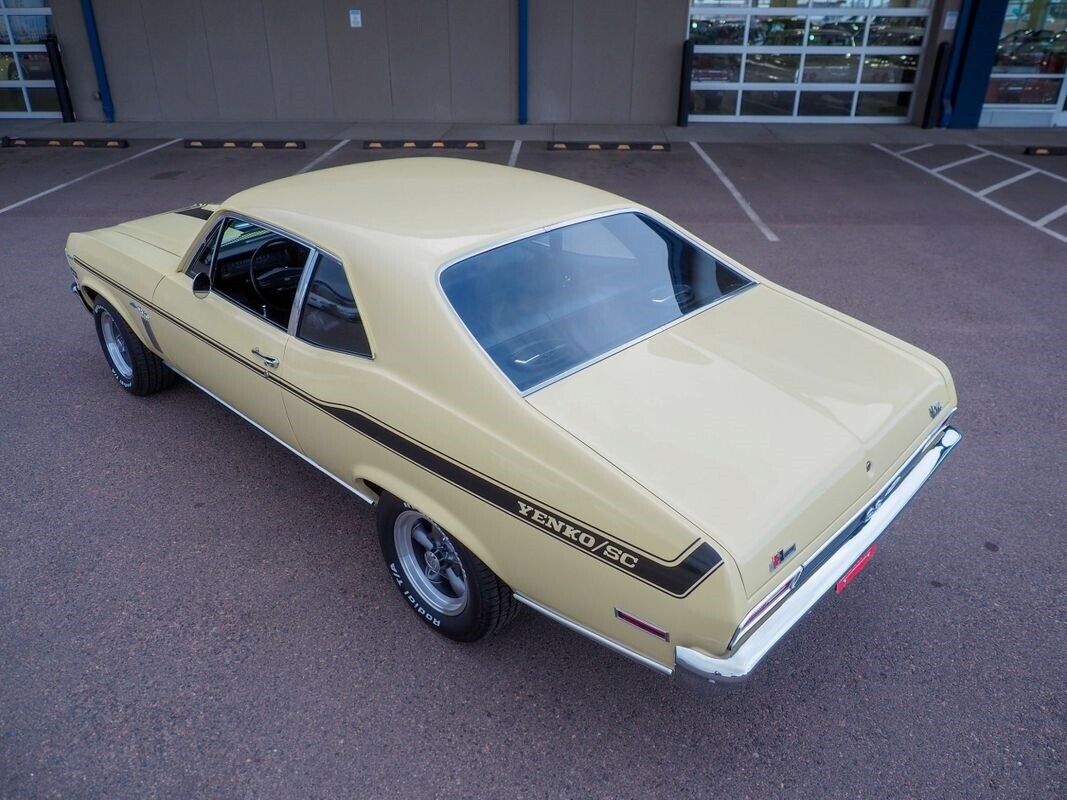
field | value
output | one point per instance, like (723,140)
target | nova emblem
(782,556)
(935,409)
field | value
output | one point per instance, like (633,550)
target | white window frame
(15,49)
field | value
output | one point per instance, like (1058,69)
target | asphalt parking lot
(187,610)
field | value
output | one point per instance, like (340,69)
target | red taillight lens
(856,569)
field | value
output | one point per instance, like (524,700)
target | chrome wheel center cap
(433,564)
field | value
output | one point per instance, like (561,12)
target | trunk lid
(754,419)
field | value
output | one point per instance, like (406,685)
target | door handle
(268,361)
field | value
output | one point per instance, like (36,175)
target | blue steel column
(98,60)
(524,28)
(976,63)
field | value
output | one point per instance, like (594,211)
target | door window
(259,270)
(330,317)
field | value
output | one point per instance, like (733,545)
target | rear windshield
(549,303)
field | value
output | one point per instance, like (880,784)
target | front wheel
(136,368)
(448,586)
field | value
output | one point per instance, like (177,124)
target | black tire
(489,603)
(143,372)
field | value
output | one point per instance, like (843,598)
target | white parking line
(316,161)
(1059,212)
(1003,157)
(1007,182)
(81,178)
(912,149)
(1036,225)
(515,148)
(741,201)
(962,161)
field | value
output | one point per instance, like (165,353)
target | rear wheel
(444,583)
(135,368)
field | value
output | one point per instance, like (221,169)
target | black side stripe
(676,579)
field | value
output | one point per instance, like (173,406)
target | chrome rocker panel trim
(735,668)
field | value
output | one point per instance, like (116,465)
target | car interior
(259,269)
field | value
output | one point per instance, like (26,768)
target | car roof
(443,207)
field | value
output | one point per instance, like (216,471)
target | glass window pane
(779,3)
(12,100)
(553,301)
(900,3)
(330,317)
(23,3)
(836,32)
(9,70)
(1033,51)
(780,31)
(4,38)
(889,69)
(768,103)
(883,104)
(716,67)
(830,69)
(825,104)
(897,31)
(43,99)
(29,29)
(717,30)
(839,3)
(1023,91)
(711,101)
(771,68)
(35,66)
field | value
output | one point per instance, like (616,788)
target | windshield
(549,303)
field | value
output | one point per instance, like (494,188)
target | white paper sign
(950,20)
(355,18)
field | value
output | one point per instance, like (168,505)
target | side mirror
(201,285)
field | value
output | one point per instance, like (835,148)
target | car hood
(755,419)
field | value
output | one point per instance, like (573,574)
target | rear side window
(330,317)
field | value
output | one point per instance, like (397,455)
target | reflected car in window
(552,396)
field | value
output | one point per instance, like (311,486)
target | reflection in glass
(12,100)
(712,101)
(900,3)
(29,29)
(1023,91)
(839,3)
(825,104)
(883,104)
(717,30)
(768,103)
(831,69)
(35,67)
(716,67)
(897,31)
(889,69)
(556,300)
(1032,51)
(779,3)
(9,70)
(43,99)
(836,32)
(771,68)
(781,31)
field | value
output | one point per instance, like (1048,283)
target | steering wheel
(277,278)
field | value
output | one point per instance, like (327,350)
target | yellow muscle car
(555,397)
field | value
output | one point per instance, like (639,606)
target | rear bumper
(821,571)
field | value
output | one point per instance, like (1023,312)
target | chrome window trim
(681,233)
(301,293)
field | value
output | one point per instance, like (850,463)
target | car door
(231,339)
(330,363)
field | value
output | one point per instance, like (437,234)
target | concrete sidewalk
(725,132)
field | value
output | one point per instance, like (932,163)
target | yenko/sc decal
(590,541)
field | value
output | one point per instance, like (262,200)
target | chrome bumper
(860,533)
